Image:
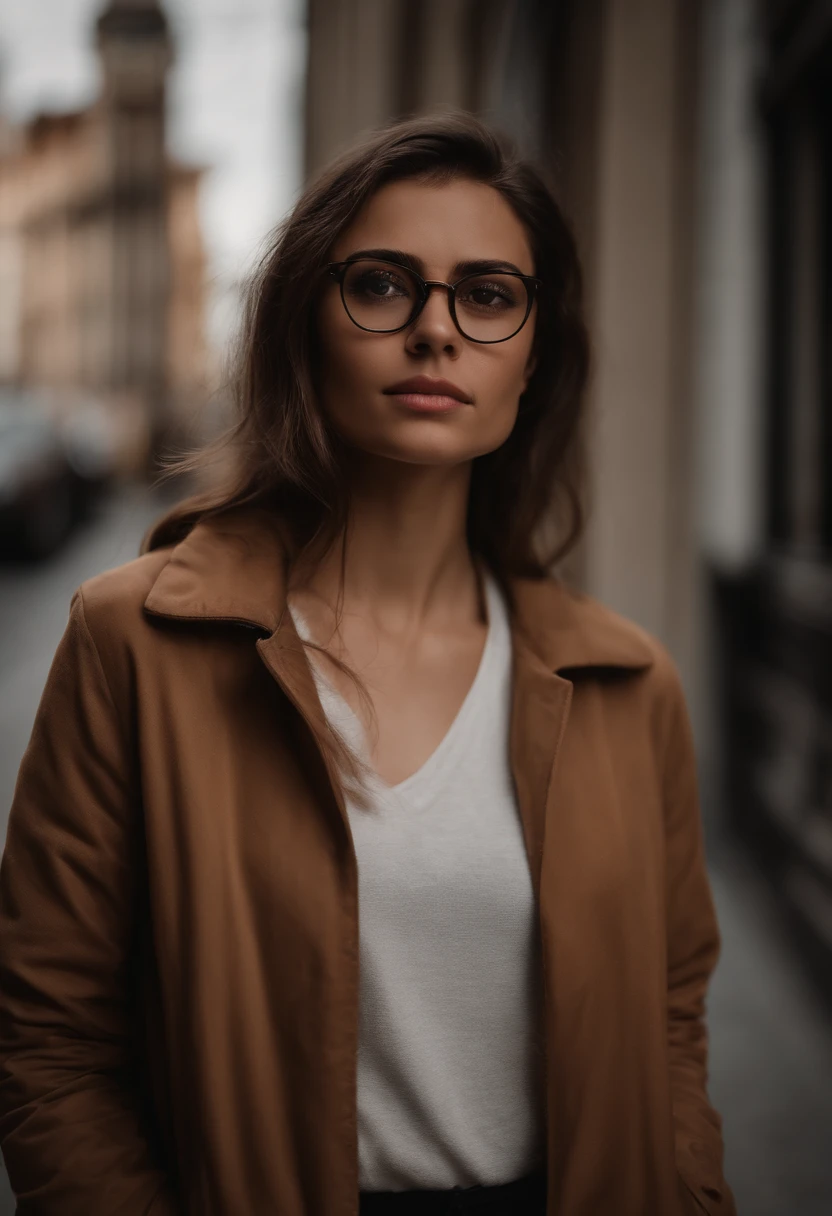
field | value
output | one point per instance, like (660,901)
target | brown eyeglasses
(384,297)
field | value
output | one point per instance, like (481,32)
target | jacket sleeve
(71,1128)
(693,946)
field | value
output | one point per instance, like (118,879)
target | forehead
(441,224)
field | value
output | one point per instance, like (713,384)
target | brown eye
(491,295)
(378,295)
(491,307)
(376,283)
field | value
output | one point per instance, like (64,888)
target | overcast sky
(235,106)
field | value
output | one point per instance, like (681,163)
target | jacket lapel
(557,765)
(285,657)
(556,630)
(231,567)
(540,708)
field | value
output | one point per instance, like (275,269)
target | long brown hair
(280,451)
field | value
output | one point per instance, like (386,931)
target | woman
(355,864)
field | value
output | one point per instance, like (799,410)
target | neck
(406,563)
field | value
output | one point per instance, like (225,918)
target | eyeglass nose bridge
(426,287)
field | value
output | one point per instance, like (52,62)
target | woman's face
(440,227)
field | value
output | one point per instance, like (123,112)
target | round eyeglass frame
(338,270)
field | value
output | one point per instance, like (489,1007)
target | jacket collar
(232,567)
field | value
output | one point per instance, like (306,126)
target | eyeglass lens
(382,297)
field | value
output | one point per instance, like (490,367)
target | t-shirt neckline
(442,754)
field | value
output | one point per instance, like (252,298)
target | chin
(431,442)
(432,452)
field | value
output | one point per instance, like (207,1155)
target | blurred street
(771,1053)
(148,148)
(34,607)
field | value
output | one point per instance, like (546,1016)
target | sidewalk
(771,1055)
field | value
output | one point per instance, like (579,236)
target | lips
(427,386)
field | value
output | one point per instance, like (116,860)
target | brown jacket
(178,908)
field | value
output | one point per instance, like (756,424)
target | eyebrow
(413,262)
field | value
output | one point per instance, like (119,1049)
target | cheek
(350,362)
(502,380)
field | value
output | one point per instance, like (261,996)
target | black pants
(525,1197)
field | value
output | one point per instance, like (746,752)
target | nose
(434,327)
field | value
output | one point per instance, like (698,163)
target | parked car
(91,441)
(37,480)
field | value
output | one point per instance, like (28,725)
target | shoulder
(651,696)
(112,601)
(660,667)
(582,638)
(573,631)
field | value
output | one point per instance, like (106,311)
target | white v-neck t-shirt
(449,1048)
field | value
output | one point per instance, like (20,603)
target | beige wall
(370,60)
(187,353)
(639,554)
(352,73)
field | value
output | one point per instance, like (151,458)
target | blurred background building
(690,142)
(774,611)
(103,267)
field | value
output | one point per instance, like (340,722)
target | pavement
(771,1038)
